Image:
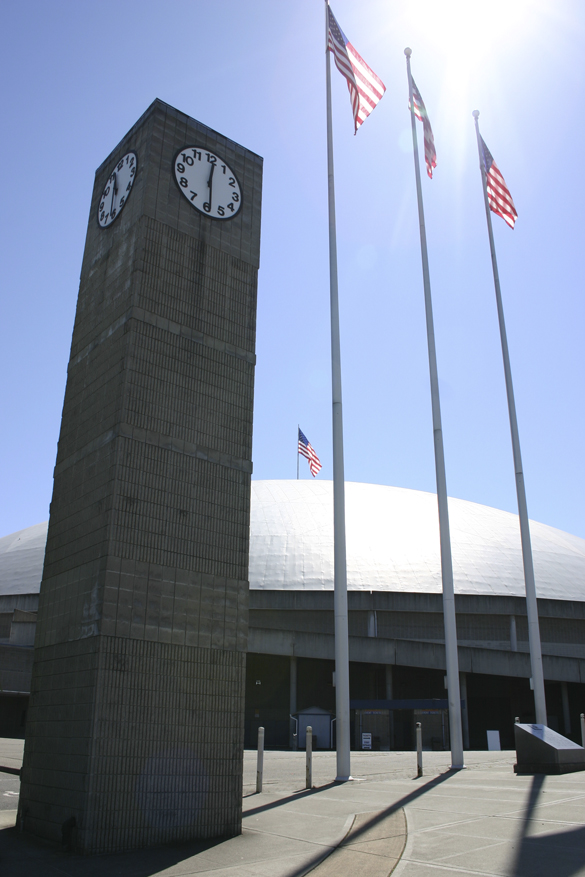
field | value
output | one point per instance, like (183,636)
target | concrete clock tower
(135,726)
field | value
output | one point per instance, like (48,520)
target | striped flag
(307,451)
(499,197)
(365,88)
(420,111)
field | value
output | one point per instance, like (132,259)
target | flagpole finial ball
(408,52)
(475,114)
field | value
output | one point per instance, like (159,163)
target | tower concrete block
(135,725)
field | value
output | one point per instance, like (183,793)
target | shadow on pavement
(23,854)
(561,854)
(379,817)
(296,796)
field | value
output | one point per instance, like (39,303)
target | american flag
(365,88)
(307,451)
(499,197)
(420,111)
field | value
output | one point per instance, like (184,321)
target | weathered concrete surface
(481,821)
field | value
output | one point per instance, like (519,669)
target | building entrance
(390,724)
(372,729)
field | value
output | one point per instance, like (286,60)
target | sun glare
(469,31)
(465,43)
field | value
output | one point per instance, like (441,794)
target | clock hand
(210,182)
(114,192)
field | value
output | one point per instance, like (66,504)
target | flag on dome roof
(307,451)
(420,111)
(365,88)
(499,197)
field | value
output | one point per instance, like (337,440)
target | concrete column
(566,711)
(293,741)
(464,709)
(513,634)
(260,761)
(136,715)
(390,696)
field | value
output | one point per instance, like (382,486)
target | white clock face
(207,182)
(117,190)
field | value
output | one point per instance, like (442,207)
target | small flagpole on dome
(298,455)
(342,724)
(529,581)
(449,617)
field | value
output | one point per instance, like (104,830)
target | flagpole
(298,455)
(449,619)
(529,582)
(339,552)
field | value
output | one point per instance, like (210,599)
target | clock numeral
(231,207)
(232,182)
(221,211)
(207,206)
(197,154)
(181,167)
(223,167)
(187,159)
(184,182)
(211,158)
(193,194)
(235,196)
(117,189)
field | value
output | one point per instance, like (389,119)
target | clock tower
(135,725)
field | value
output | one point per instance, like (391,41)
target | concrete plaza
(481,821)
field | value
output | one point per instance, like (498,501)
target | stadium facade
(397,660)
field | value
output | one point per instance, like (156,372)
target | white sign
(366,740)
(493,741)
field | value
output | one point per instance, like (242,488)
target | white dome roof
(21,560)
(392,545)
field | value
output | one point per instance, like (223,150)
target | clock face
(207,182)
(117,190)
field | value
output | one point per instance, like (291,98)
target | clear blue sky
(76,76)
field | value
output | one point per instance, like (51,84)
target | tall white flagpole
(339,554)
(529,582)
(451,656)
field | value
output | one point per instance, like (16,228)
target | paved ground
(11,753)
(481,821)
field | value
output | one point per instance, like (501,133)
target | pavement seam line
(315,843)
(444,825)
(349,822)
(496,843)
(452,868)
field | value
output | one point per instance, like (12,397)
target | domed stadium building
(396,640)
